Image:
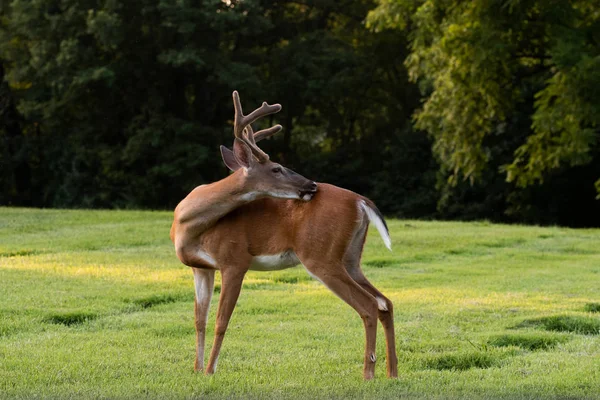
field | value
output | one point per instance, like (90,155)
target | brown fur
(320,232)
(271,226)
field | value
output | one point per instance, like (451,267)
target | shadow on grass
(462,361)
(592,307)
(70,318)
(73,318)
(502,243)
(381,262)
(564,323)
(20,253)
(528,341)
(291,279)
(158,299)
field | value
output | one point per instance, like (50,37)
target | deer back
(322,227)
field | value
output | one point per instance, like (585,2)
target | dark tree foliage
(510,93)
(124,103)
(14,179)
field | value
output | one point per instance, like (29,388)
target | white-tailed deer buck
(265,217)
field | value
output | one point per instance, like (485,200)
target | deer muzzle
(307,192)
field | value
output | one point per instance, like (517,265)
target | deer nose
(313,186)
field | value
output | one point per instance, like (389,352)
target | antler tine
(249,134)
(243,123)
(265,133)
(264,109)
(238,121)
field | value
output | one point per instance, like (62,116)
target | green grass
(565,323)
(592,307)
(95,304)
(528,341)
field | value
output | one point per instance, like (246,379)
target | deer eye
(276,170)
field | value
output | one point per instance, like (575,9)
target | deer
(266,217)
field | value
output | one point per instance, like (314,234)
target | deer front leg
(231,284)
(340,283)
(204,282)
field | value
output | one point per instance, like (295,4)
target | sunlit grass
(95,304)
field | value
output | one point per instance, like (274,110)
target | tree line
(435,109)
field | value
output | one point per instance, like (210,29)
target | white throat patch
(250,196)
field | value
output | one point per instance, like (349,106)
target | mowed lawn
(95,304)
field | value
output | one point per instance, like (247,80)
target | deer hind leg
(204,282)
(385,313)
(385,308)
(231,284)
(339,282)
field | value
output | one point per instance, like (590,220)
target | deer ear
(229,159)
(243,154)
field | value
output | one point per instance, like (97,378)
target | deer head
(263,177)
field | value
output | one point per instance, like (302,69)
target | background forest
(481,109)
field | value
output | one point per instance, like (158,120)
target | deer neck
(230,193)
(206,204)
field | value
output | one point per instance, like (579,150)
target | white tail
(377,220)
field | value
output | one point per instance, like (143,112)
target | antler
(242,128)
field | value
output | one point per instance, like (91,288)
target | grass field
(96,304)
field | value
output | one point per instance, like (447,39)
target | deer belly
(274,262)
